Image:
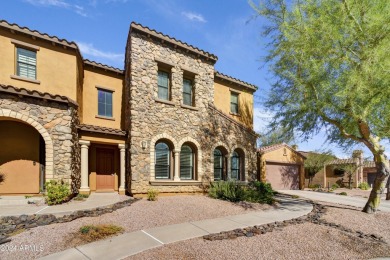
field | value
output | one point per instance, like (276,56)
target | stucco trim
(25,45)
(49,160)
(152,150)
(25,79)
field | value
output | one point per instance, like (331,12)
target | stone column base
(86,191)
(122,191)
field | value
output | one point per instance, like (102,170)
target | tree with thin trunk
(331,65)
(315,162)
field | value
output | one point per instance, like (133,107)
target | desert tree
(332,72)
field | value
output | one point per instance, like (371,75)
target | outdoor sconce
(144,144)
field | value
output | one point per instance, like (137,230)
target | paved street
(333,198)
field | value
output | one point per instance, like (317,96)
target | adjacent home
(335,172)
(282,166)
(168,120)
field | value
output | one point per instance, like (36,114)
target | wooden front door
(105,177)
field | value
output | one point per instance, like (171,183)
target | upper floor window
(26,65)
(188,92)
(104,103)
(234,103)
(163,85)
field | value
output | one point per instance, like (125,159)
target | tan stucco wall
(92,165)
(56,67)
(108,80)
(245,101)
(19,158)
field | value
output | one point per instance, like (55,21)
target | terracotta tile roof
(36,94)
(270,148)
(342,161)
(34,33)
(102,66)
(174,41)
(101,130)
(220,76)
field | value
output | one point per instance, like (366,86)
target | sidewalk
(94,200)
(135,242)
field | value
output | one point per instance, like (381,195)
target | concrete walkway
(133,243)
(12,207)
(338,199)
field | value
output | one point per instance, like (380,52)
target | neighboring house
(365,171)
(168,121)
(282,166)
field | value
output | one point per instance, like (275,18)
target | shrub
(91,233)
(57,192)
(343,193)
(152,195)
(295,196)
(364,186)
(234,191)
(227,190)
(335,186)
(314,186)
(81,196)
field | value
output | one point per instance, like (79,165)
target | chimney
(357,154)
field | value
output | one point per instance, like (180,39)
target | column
(176,172)
(228,170)
(122,162)
(84,189)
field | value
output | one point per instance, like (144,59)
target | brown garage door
(282,176)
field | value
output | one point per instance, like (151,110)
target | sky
(226,28)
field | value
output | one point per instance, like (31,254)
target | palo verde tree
(315,162)
(332,72)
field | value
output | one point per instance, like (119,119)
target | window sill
(175,183)
(234,114)
(105,117)
(189,107)
(25,79)
(164,101)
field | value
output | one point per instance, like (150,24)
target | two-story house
(168,121)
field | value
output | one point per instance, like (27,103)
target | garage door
(282,176)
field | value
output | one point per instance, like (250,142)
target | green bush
(335,186)
(152,195)
(91,233)
(234,191)
(364,186)
(57,192)
(81,196)
(343,193)
(314,186)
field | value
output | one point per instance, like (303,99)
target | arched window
(162,159)
(186,163)
(218,165)
(235,166)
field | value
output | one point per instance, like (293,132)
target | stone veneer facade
(56,122)
(152,120)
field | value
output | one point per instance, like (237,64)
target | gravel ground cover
(354,192)
(143,214)
(303,241)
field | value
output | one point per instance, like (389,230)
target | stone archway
(49,158)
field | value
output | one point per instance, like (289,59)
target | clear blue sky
(226,28)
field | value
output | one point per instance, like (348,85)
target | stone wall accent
(151,119)
(11,224)
(56,122)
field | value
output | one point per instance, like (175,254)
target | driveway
(339,199)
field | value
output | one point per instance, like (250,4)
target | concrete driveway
(339,199)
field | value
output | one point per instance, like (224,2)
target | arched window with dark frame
(187,163)
(162,161)
(235,166)
(218,165)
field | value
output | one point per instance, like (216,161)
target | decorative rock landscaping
(313,217)
(12,224)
